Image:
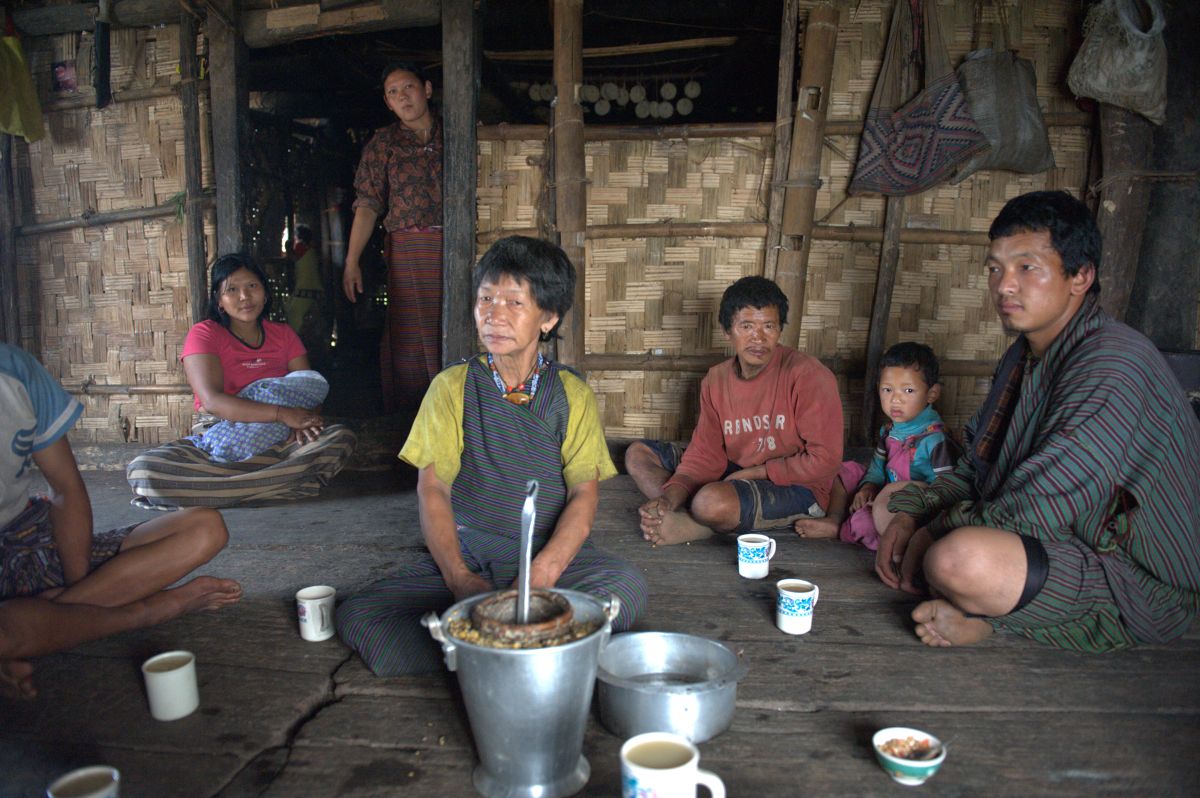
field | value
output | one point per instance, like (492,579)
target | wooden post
(569,197)
(804,165)
(1126,146)
(783,134)
(460,102)
(194,211)
(10,327)
(229,98)
(889,257)
(881,310)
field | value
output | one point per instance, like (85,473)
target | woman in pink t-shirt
(237,345)
(234,347)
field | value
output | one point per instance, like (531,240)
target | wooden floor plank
(353,748)
(282,717)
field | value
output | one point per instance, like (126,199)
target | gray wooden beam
(10,328)
(266,27)
(74,17)
(1127,148)
(229,98)
(460,102)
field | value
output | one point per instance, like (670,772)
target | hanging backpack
(911,144)
(1121,64)
(1001,93)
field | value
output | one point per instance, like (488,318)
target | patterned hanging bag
(910,144)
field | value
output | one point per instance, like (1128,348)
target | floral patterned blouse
(402,174)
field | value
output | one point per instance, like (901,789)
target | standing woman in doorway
(400,178)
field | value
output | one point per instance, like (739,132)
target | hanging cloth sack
(1120,63)
(910,145)
(1001,94)
(20,111)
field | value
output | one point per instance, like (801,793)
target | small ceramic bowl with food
(910,756)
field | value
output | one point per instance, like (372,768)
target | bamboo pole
(908,235)
(616,50)
(86,100)
(94,389)
(833,127)
(110,217)
(782,133)
(804,165)
(820,232)
(678,230)
(849,367)
(569,169)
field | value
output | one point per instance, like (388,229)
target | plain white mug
(171,685)
(314,611)
(754,553)
(794,604)
(95,781)
(664,765)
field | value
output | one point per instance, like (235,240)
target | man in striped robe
(1072,517)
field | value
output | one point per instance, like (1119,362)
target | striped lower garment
(1075,607)
(178,474)
(29,559)
(409,356)
(383,622)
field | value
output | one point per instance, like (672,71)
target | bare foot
(675,527)
(940,623)
(816,527)
(202,593)
(16,679)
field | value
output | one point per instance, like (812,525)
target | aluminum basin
(670,682)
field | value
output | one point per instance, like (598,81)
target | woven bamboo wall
(110,304)
(660,295)
(940,297)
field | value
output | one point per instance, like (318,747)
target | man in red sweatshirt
(768,442)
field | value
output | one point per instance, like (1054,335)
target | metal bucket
(528,707)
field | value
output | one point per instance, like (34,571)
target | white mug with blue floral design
(754,554)
(794,605)
(664,765)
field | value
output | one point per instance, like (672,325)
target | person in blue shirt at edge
(62,585)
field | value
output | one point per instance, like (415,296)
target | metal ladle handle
(528,516)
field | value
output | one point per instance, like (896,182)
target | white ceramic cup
(96,781)
(314,611)
(794,603)
(664,765)
(754,555)
(171,685)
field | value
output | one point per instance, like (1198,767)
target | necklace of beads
(519,394)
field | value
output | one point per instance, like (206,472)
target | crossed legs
(679,526)
(976,573)
(127,592)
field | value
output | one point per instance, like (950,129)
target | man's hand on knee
(893,542)
(914,557)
